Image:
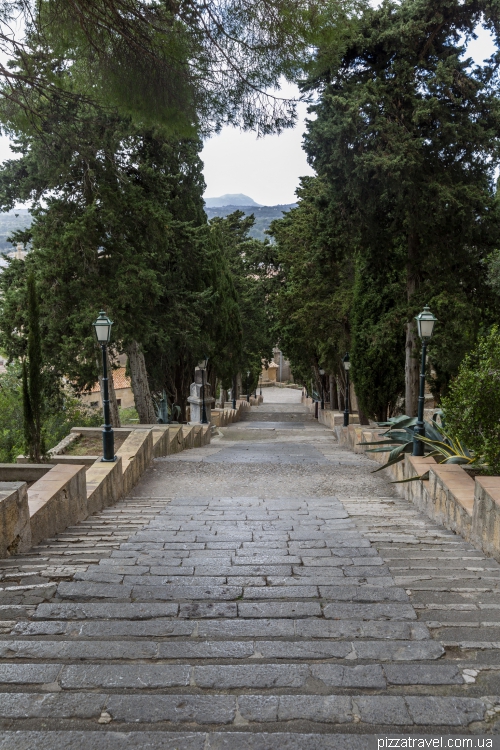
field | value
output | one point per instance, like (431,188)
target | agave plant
(437,442)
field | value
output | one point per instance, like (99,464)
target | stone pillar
(195,399)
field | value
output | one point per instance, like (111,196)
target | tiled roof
(120,380)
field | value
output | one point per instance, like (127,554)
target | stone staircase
(217,623)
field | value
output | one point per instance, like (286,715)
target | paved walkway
(266,592)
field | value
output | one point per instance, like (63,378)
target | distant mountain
(230,199)
(264,215)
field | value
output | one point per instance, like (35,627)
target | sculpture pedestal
(195,401)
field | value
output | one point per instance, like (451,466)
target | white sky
(266,169)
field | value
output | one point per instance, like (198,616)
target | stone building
(123,390)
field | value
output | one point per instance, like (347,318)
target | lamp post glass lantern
(203,366)
(321,373)
(347,366)
(425,326)
(102,328)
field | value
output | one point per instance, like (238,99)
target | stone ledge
(104,484)
(15,529)
(334,419)
(136,453)
(486,515)
(23,472)
(57,501)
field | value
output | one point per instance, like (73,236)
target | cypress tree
(405,139)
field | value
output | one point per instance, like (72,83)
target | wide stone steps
(386,650)
(240,623)
(245,709)
(144,676)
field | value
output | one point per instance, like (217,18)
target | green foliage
(181,65)
(472,407)
(240,315)
(128,415)
(118,225)
(398,439)
(58,420)
(378,346)
(310,279)
(405,144)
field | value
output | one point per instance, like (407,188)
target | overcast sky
(266,169)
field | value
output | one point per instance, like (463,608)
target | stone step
(393,650)
(162,627)
(348,591)
(228,677)
(146,611)
(331,710)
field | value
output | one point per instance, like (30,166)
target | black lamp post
(347,367)
(260,382)
(248,394)
(425,324)
(321,373)
(234,392)
(203,366)
(102,328)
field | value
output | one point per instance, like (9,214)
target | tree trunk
(113,406)
(363,419)
(140,385)
(412,373)
(411,370)
(334,401)
(340,394)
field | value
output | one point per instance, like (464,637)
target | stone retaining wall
(450,496)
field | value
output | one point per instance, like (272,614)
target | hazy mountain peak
(230,199)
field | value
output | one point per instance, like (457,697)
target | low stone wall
(161,440)
(104,484)
(449,496)
(57,500)
(486,514)
(15,529)
(136,453)
(23,472)
(334,419)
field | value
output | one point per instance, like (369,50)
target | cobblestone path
(266,592)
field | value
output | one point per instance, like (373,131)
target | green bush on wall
(472,407)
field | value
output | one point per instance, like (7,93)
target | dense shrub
(58,420)
(472,408)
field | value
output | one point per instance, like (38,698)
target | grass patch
(91,446)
